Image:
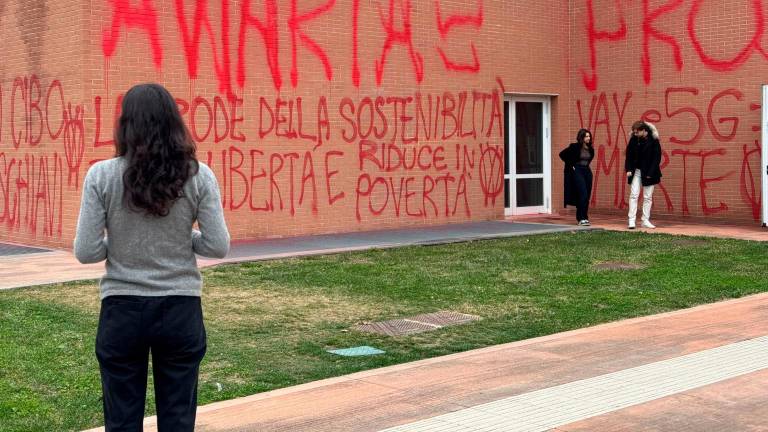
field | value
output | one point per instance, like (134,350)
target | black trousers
(582,177)
(171,328)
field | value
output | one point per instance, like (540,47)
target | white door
(527,155)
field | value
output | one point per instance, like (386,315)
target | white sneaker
(584,222)
(648,224)
(631,225)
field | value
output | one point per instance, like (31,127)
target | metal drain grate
(417,324)
(445,318)
(396,327)
(9,249)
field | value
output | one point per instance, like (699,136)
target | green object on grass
(357,351)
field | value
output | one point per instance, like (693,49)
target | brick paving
(678,226)
(401,395)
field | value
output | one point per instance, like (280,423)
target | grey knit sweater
(146,255)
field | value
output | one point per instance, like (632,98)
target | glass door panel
(529,138)
(527,155)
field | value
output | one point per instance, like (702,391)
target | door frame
(546,175)
(764,157)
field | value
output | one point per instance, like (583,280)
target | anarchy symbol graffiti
(491,172)
(74,141)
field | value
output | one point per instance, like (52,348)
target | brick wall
(42,136)
(338,116)
(355,114)
(694,69)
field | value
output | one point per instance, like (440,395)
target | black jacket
(645,156)
(571,155)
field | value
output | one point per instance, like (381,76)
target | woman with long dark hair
(137,212)
(577,176)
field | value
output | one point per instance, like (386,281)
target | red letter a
(144,17)
(402,37)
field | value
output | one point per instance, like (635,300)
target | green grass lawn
(270,323)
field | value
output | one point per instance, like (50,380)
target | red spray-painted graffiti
(143,18)
(34,111)
(491,172)
(31,188)
(593,36)
(422,156)
(404,37)
(649,32)
(256,181)
(294,24)
(444,27)
(74,142)
(268,30)
(395,24)
(221,60)
(402,173)
(749,192)
(401,170)
(699,142)
(47,140)
(707,128)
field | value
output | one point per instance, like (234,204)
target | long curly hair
(156,143)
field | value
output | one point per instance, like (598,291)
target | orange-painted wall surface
(322,116)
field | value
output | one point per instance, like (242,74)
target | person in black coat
(577,176)
(642,164)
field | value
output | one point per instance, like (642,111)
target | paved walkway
(663,226)
(701,369)
(36,268)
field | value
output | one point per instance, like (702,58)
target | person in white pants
(642,164)
(634,194)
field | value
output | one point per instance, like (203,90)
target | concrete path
(39,268)
(44,267)
(676,226)
(333,243)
